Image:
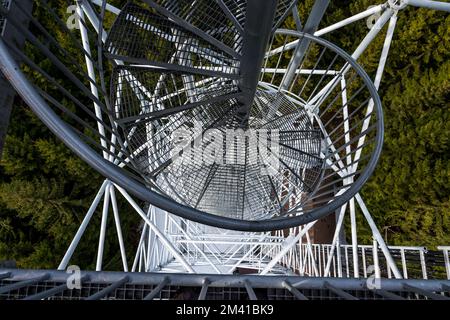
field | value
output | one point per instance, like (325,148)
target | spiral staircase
(165,79)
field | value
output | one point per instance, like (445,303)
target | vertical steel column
(311,25)
(257,31)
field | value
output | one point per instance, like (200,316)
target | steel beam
(378,237)
(427,293)
(388,295)
(257,31)
(5,275)
(250,291)
(435,5)
(108,7)
(48,293)
(103,227)
(161,236)
(158,289)
(285,248)
(311,25)
(298,21)
(24,283)
(82,228)
(341,293)
(118,228)
(367,13)
(51,292)
(257,281)
(103,293)
(294,291)
(204,290)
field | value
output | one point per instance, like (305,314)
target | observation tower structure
(241,144)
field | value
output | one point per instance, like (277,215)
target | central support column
(257,30)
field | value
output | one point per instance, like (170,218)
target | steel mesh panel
(138,91)
(238,187)
(141,35)
(161,144)
(226,294)
(238,9)
(207,16)
(136,291)
(25,291)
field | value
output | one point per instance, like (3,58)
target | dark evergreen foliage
(45,190)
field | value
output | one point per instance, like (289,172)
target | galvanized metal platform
(16,284)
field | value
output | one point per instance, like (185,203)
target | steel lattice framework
(162,66)
(171,71)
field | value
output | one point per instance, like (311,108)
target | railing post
(405,269)
(445,251)
(375,259)
(363,255)
(423,263)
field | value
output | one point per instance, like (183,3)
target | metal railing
(318,260)
(230,252)
(58,285)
